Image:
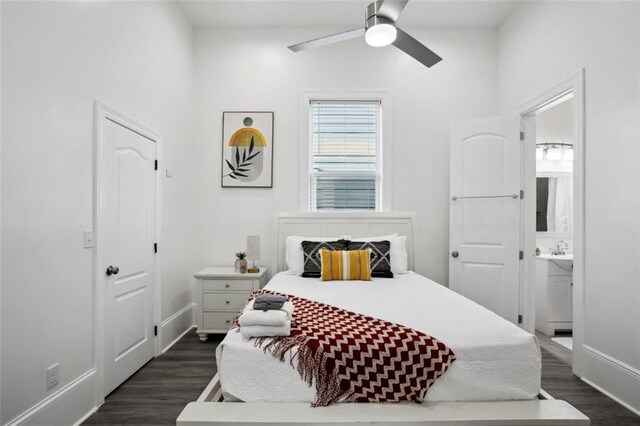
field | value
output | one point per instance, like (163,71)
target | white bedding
(496,360)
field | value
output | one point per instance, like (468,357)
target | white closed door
(128,259)
(484,236)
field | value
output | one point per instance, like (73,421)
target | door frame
(572,84)
(102,113)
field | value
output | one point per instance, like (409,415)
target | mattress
(495,359)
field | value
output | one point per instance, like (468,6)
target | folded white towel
(265,330)
(273,318)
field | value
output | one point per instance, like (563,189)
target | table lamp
(253,252)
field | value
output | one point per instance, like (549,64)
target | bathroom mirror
(554,204)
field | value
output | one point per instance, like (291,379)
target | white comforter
(496,360)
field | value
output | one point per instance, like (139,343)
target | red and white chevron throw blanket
(357,358)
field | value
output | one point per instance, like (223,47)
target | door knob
(455,254)
(112,270)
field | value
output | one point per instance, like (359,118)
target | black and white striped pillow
(380,256)
(312,260)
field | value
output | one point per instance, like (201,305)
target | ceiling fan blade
(415,49)
(392,8)
(323,41)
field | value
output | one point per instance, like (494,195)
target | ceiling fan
(380,30)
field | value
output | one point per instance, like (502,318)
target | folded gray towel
(268,302)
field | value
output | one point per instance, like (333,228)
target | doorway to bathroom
(553,217)
(554,224)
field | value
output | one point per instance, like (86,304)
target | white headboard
(322,224)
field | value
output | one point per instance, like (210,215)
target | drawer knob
(228,321)
(227,302)
(226,285)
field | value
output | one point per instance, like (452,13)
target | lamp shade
(253,247)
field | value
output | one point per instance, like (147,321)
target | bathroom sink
(550,256)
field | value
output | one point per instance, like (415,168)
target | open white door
(484,235)
(129,232)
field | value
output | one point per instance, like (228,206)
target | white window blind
(345,163)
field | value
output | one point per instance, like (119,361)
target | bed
(496,360)
(494,380)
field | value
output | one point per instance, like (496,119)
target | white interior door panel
(485,213)
(129,217)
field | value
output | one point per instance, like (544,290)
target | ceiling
(346,13)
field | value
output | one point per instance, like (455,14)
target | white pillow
(399,258)
(294,254)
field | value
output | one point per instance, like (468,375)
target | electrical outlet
(53,375)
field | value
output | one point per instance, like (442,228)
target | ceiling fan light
(380,35)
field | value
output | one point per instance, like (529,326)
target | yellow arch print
(242,137)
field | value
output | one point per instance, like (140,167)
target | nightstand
(223,293)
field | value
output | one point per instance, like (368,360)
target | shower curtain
(560,205)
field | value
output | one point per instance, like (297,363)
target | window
(345,166)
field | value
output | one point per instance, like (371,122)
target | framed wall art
(247,149)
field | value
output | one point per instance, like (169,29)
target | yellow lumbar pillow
(346,265)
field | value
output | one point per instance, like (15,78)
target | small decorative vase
(242,266)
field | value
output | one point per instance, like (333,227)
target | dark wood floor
(156,394)
(559,382)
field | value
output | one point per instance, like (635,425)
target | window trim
(383,204)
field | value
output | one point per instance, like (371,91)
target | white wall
(0,210)
(555,125)
(540,44)
(57,58)
(251,69)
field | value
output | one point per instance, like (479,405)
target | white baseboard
(176,326)
(612,377)
(86,416)
(70,405)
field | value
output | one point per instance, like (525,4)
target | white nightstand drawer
(217,320)
(224,301)
(227,285)
(223,293)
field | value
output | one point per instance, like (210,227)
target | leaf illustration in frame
(252,156)
(249,133)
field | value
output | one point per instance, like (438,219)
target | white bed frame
(324,224)
(209,410)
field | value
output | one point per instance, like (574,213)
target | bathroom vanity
(554,293)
